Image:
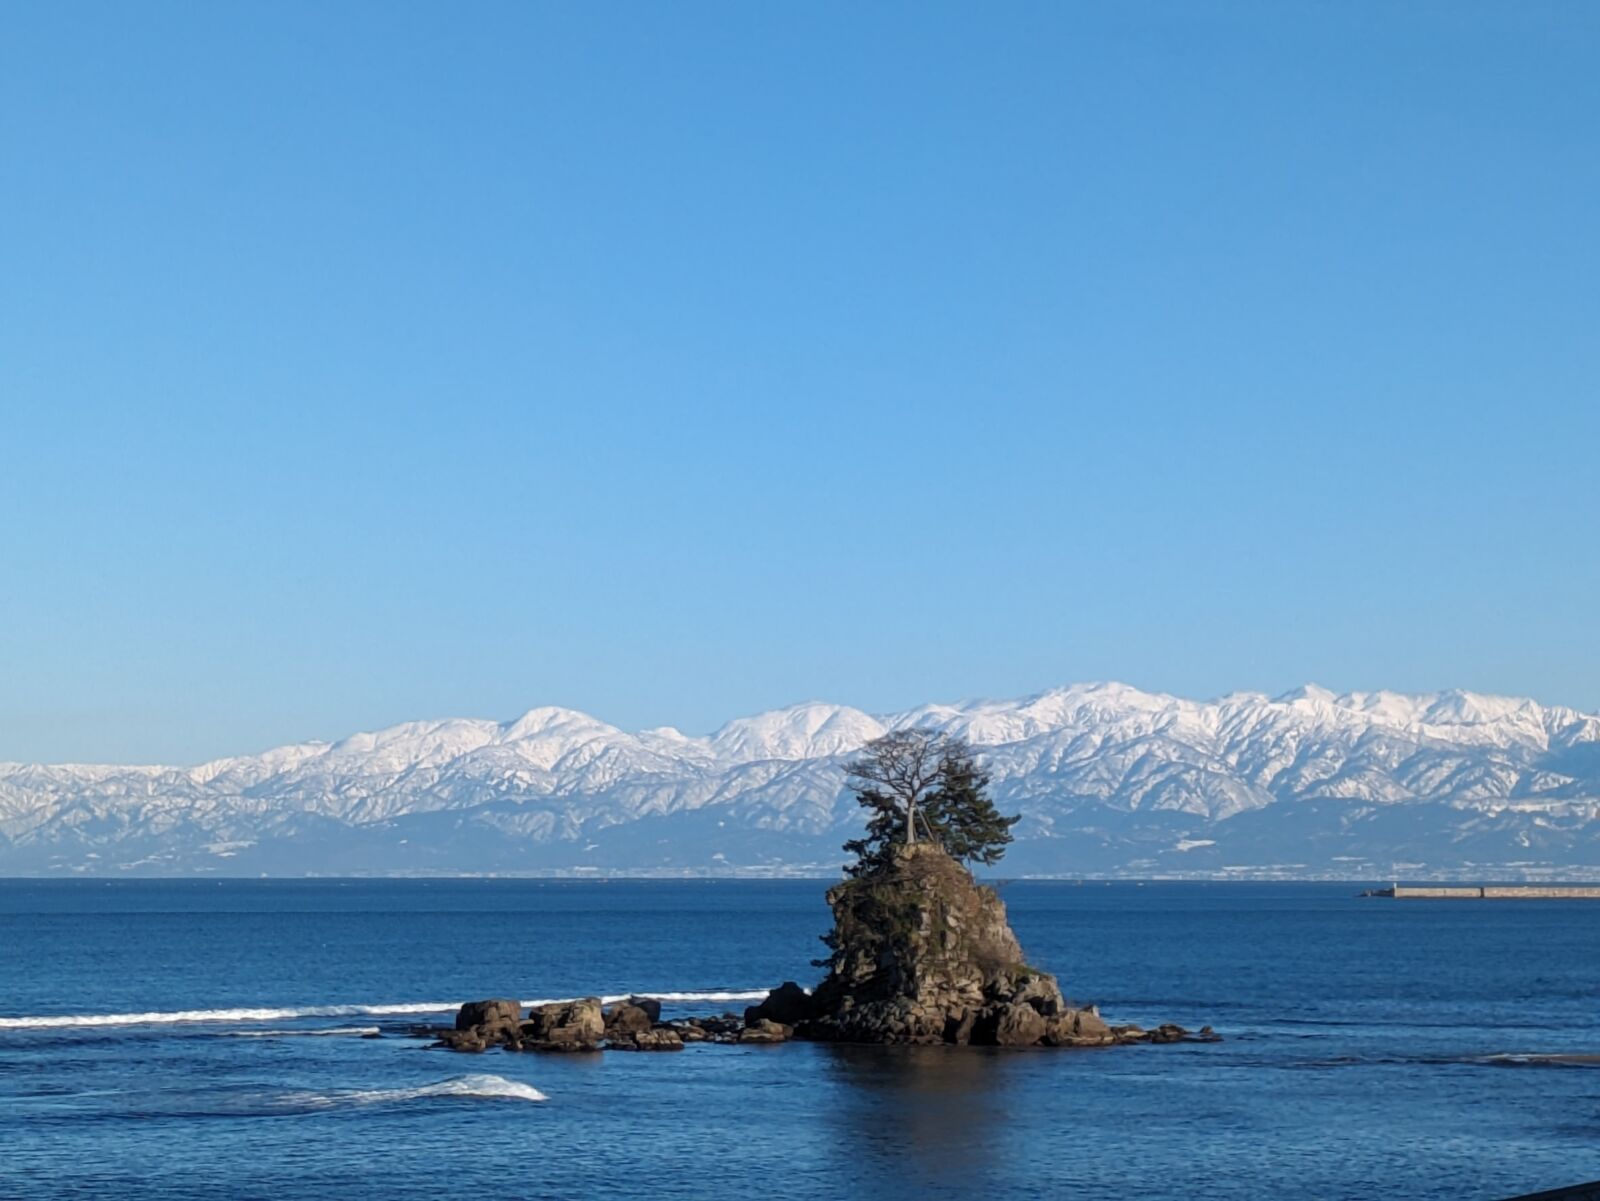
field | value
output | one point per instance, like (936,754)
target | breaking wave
(749,994)
(328,1032)
(179,1017)
(397,1009)
(478,1084)
(245,1100)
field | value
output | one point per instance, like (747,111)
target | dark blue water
(1374,1048)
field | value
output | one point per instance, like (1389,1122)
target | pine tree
(918,784)
(872,849)
(960,814)
(894,774)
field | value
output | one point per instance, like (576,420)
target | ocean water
(186,1039)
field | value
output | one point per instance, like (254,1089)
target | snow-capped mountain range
(1109,780)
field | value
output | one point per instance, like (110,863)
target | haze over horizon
(379,363)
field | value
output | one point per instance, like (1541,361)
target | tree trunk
(911,822)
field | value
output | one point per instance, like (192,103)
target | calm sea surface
(202,1039)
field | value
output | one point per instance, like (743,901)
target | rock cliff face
(924,954)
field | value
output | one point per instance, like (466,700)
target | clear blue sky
(365,362)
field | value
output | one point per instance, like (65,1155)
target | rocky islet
(922,954)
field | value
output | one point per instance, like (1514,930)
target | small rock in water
(765,1031)
(663,1038)
(788,1004)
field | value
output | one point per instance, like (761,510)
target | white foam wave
(479,1084)
(188,1016)
(329,1032)
(675,997)
(397,1009)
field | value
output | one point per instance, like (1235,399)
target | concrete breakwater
(1490,892)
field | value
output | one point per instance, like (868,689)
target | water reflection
(933,1118)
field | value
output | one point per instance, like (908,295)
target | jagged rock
(1034,989)
(958,1027)
(628,1018)
(762,1030)
(923,953)
(1168,1033)
(565,1025)
(1013,1024)
(788,1004)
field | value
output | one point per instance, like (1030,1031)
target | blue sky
(368,362)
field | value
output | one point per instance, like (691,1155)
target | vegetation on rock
(921,784)
(922,953)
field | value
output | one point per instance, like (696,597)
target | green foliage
(960,814)
(884,823)
(952,808)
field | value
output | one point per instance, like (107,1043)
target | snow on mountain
(809,731)
(1109,780)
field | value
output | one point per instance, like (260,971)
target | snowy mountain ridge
(1110,780)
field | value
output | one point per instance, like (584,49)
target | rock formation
(923,954)
(565,1026)
(788,1004)
(630,1017)
(580,1025)
(635,1025)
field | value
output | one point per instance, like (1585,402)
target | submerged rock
(724,1029)
(662,1038)
(461,1040)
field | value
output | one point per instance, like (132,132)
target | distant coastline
(1489,892)
(1444,887)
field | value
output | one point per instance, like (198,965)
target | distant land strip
(1491,892)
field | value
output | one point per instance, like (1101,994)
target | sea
(248,1039)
